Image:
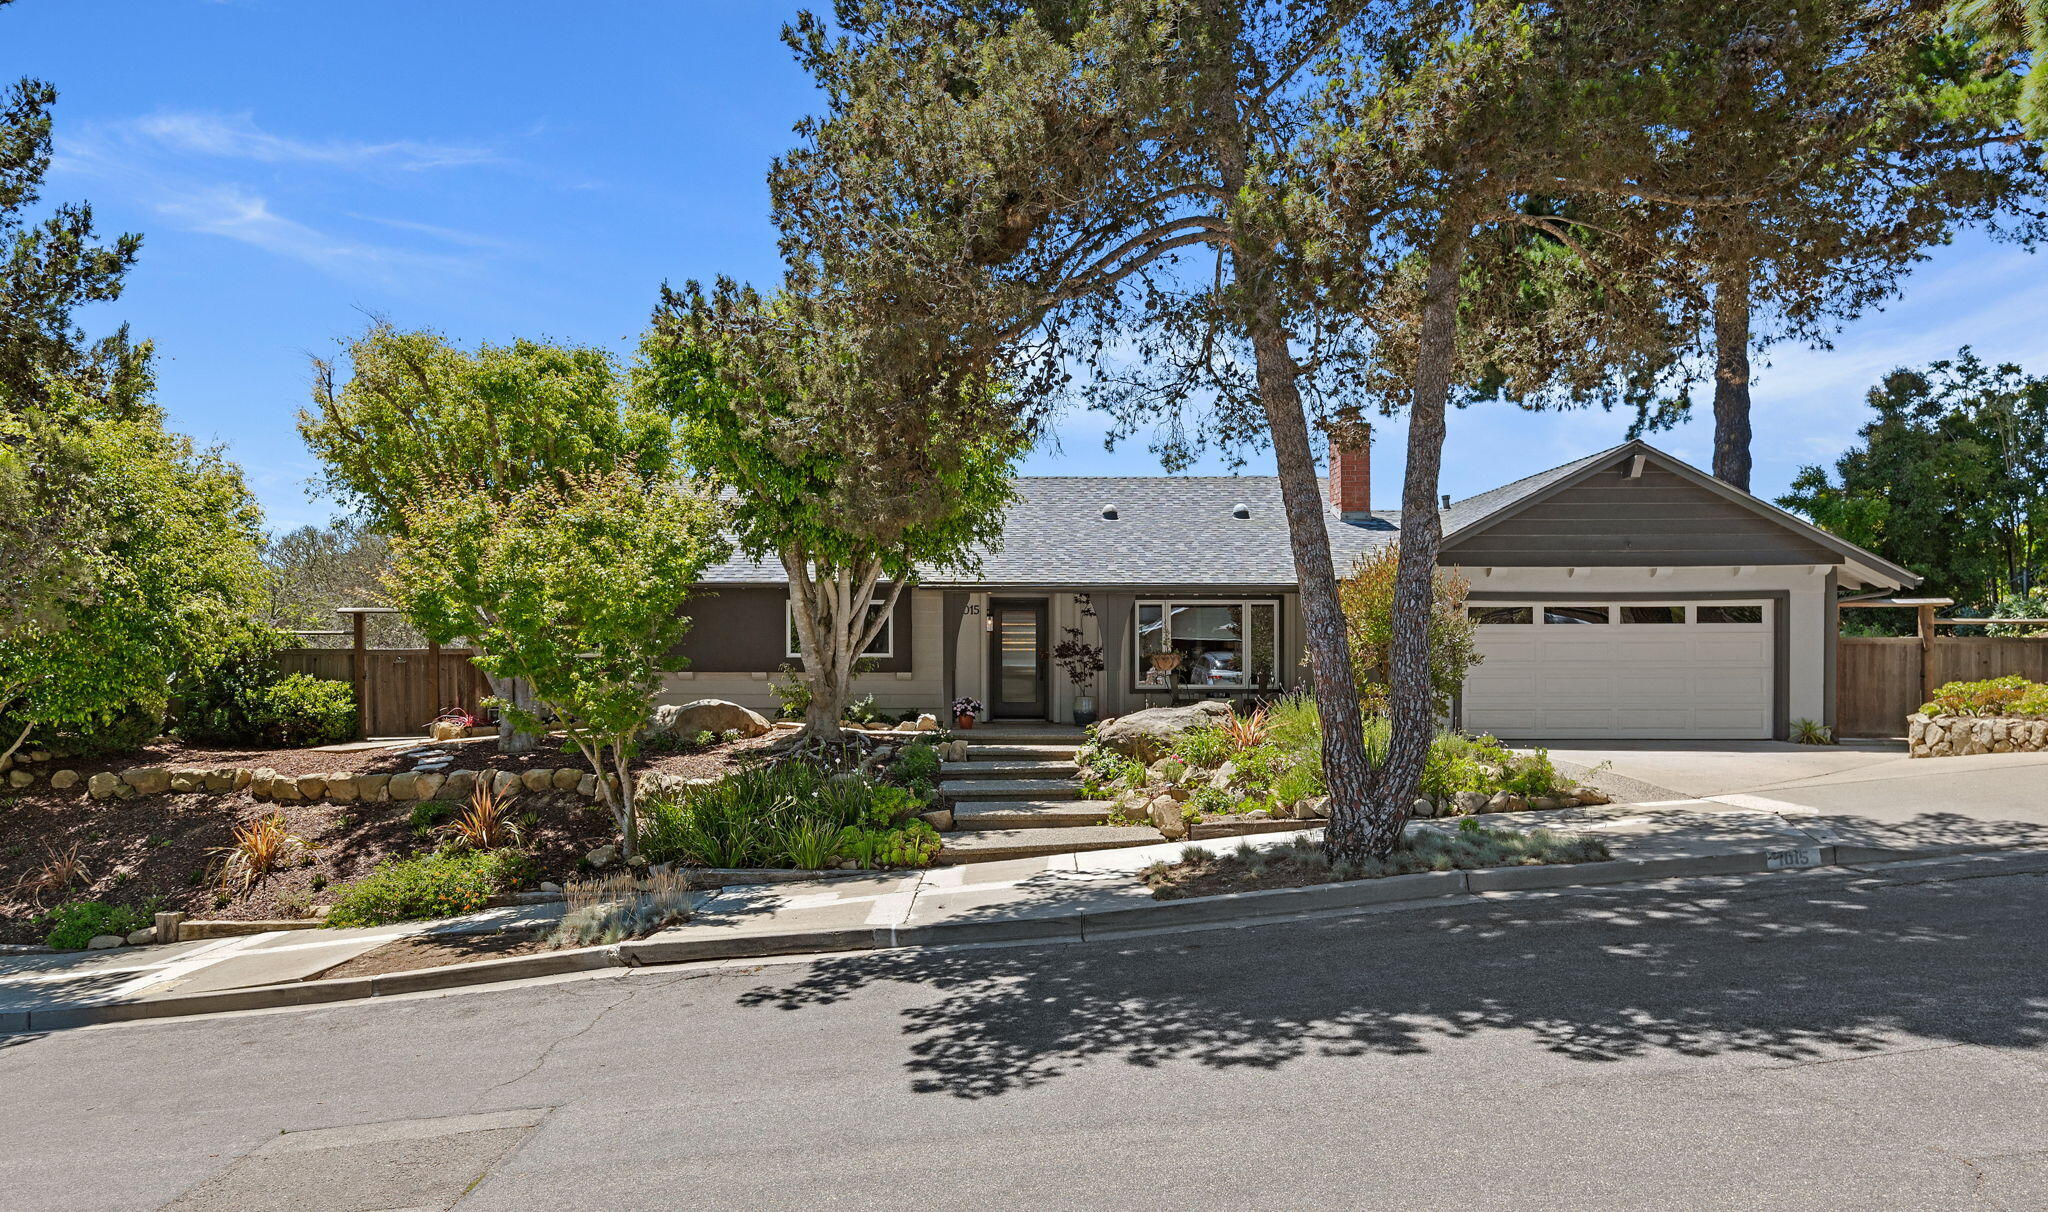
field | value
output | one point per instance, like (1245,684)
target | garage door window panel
(1571,615)
(1747,616)
(1651,615)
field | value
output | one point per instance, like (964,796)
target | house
(1625,594)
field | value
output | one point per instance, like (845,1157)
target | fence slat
(401,683)
(1877,681)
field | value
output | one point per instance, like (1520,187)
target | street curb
(1417,890)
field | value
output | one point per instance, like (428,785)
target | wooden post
(1926,651)
(359,672)
(434,678)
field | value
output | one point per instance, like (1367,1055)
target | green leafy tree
(857,456)
(315,569)
(1949,478)
(574,589)
(2018,31)
(1368,597)
(173,583)
(418,419)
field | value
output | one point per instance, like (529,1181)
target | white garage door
(1625,669)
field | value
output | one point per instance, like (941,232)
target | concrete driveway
(1855,784)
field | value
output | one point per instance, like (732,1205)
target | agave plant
(486,824)
(260,848)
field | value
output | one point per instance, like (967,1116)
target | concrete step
(1021,734)
(989,845)
(962,790)
(1008,768)
(1038,753)
(1030,814)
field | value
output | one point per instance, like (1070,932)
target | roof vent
(1109,512)
(1240,510)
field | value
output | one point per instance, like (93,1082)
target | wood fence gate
(1878,679)
(402,689)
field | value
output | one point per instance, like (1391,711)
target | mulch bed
(157,849)
(411,954)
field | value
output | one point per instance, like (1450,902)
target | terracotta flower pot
(964,721)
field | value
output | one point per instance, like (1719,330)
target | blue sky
(494,168)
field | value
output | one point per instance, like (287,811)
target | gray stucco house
(1624,594)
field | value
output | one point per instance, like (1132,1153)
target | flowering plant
(966,706)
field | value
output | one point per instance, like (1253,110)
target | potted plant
(964,711)
(1082,661)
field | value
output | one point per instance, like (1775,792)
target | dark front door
(1017,660)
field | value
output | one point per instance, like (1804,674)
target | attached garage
(1569,668)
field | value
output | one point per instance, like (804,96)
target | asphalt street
(1821,1040)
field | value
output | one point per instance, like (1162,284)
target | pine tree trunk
(1731,377)
(1409,689)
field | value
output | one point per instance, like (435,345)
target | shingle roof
(1182,531)
(1169,530)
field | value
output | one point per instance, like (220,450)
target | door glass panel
(1574,614)
(1017,656)
(1653,614)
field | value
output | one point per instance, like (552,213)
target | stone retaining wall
(1957,735)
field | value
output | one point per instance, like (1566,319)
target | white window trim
(887,638)
(1140,686)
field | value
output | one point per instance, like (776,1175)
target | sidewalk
(1068,896)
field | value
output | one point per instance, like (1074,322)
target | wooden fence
(1878,680)
(401,689)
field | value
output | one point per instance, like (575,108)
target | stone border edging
(1418,889)
(1965,735)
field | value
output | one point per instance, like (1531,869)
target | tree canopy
(1948,478)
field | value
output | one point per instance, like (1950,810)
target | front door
(1017,660)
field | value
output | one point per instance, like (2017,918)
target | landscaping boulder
(716,716)
(19,778)
(285,790)
(1314,808)
(602,855)
(187,780)
(104,942)
(1505,801)
(459,785)
(1166,817)
(373,788)
(1166,770)
(537,779)
(260,780)
(1145,735)
(504,783)
(940,819)
(1423,808)
(927,723)
(64,780)
(403,786)
(147,780)
(427,784)
(1591,795)
(219,780)
(102,785)
(137,938)
(1469,802)
(566,778)
(341,786)
(586,786)
(310,786)
(1546,803)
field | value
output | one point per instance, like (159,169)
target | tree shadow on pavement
(1783,969)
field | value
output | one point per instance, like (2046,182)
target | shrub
(75,923)
(302,710)
(786,814)
(426,814)
(2011,695)
(1206,747)
(1812,732)
(260,848)
(440,884)
(918,763)
(605,910)
(1105,772)
(225,703)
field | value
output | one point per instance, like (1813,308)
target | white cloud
(235,213)
(238,137)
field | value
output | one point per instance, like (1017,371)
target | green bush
(427,814)
(1206,747)
(225,703)
(440,884)
(75,923)
(302,710)
(2012,695)
(786,814)
(918,763)
(1104,772)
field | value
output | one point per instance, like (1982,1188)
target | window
(1730,614)
(885,639)
(1653,614)
(1497,615)
(1218,645)
(1574,614)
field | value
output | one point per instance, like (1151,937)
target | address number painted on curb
(1783,860)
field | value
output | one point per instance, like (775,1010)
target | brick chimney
(1351,470)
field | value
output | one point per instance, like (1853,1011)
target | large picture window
(885,639)
(1208,645)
